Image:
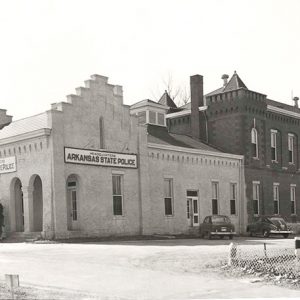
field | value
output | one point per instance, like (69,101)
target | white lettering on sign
(100,158)
(8,164)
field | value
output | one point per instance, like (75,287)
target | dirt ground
(149,269)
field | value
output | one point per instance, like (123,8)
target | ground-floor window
(215,197)
(255,195)
(276,198)
(168,196)
(233,193)
(293,199)
(117,195)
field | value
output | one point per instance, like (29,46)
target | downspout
(139,184)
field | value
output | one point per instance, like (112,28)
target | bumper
(222,233)
(281,232)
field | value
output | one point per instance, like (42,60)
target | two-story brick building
(240,121)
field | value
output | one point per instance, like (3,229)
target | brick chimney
(197,100)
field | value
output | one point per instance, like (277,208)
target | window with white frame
(233,193)
(215,197)
(276,198)
(168,196)
(255,192)
(291,139)
(254,143)
(293,199)
(117,195)
(274,145)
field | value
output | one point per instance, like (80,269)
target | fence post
(232,253)
(297,251)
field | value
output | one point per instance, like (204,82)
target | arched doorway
(72,202)
(37,201)
(18,203)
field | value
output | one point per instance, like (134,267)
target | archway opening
(19,205)
(37,200)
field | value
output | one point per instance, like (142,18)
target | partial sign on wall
(8,164)
(100,158)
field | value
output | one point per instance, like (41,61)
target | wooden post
(232,253)
(12,281)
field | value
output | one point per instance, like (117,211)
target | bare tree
(180,95)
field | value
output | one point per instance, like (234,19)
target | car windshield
(220,219)
(277,221)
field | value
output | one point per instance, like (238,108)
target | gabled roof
(235,83)
(26,125)
(166,100)
(160,135)
(148,102)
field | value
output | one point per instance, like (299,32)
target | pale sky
(48,48)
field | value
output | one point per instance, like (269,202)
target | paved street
(166,269)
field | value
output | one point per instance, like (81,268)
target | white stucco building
(93,166)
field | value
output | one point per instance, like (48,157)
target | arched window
(254,143)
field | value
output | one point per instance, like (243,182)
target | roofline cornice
(183,112)
(195,151)
(26,136)
(283,111)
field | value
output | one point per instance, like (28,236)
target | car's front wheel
(266,233)
(230,237)
(221,237)
(285,235)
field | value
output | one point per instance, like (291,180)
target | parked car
(266,225)
(217,225)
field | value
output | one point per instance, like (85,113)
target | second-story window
(254,143)
(276,198)
(274,145)
(291,138)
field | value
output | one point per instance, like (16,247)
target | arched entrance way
(37,201)
(72,202)
(17,205)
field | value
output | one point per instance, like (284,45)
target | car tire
(208,235)
(230,237)
(285,235)
(266,233)
(221,237)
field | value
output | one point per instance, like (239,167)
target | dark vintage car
(266,225)
(217,225)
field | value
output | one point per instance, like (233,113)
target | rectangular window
(168,191)
(276,198)
(274,145)
(256,198)
(215,196)
(293,199)
(117,195)
(142,117)
(233,198)
(291,147)
(152,117)
(160,119)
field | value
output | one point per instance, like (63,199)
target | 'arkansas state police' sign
(100,158)
(8,165)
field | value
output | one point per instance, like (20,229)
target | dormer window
(150,112)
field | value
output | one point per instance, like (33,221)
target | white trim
(283,111)
(255,182)
(293,184)
(26,136)
(194,151)
(117,172)
(184,112)
(276,183)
